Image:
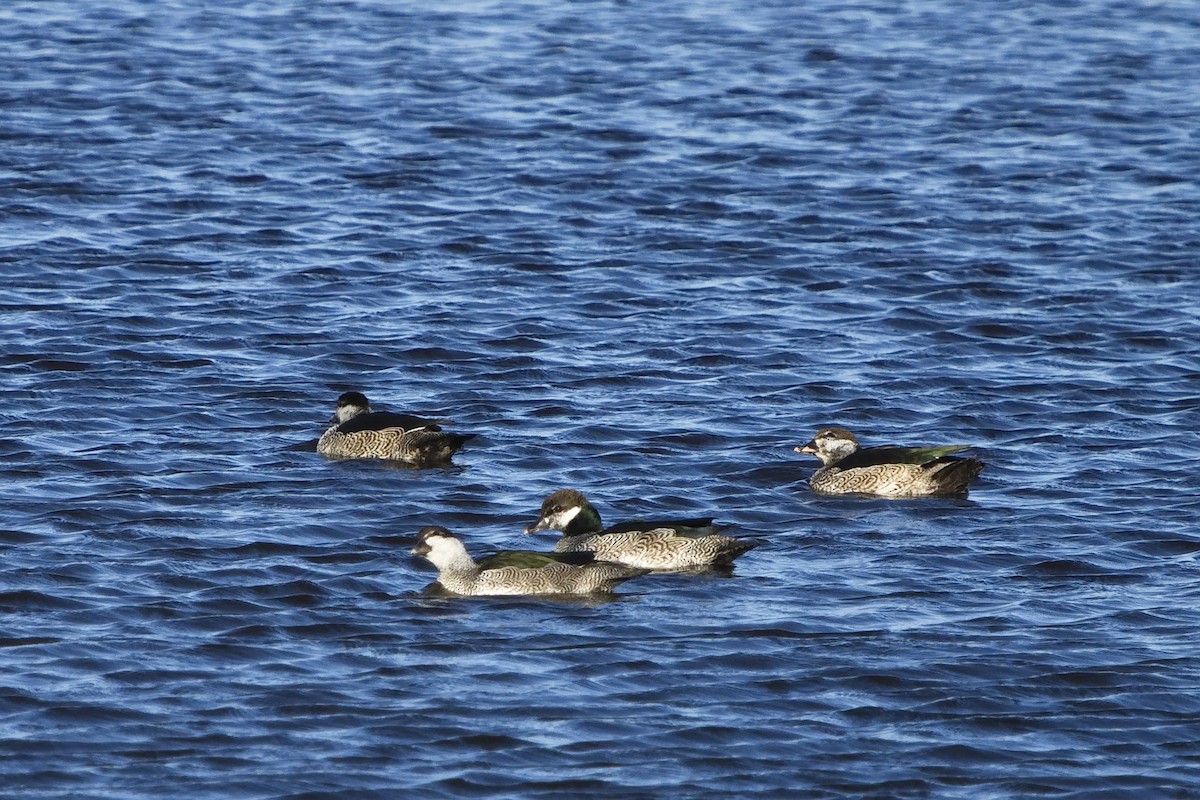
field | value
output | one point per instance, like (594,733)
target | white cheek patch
(444,550)
(837,448)
(563,518)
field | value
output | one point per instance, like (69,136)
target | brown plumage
(888,471)
(690,544)
(359,432)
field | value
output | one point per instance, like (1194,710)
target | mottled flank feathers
(690,544)
(359,432)
(517,572)
(888,471)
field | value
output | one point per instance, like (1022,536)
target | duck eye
(556,510)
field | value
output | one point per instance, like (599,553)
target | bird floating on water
(687,544)
(359,432)
(517,572)
(888,471)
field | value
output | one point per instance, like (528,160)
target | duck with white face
(670,545)
(830,445)
(888,470)
(359,432)
(517,572)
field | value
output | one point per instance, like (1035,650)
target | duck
(888,471)
(517,572)
(664,545)
(359,432)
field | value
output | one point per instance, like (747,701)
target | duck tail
(616,573)
(732,550)
(436,447)
(457,440)
(952,475)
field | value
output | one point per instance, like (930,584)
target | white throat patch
(448,553)
(563,518)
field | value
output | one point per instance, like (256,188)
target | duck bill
(540,525)
(808,449)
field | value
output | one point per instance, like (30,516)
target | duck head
(568,511)
(349,406)
(442,548)
(830,445)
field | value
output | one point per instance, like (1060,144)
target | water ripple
(643,256)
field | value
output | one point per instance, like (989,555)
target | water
(643,252)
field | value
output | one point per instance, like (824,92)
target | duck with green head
(675,545)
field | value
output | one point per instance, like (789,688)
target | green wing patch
(870,456)
(525,559)
(691,528)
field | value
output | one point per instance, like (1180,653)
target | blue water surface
(642,250)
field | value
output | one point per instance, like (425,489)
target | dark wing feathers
(524,559)
(957,473)
(870,456)
(380,420)
(579,559)
(680,526)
